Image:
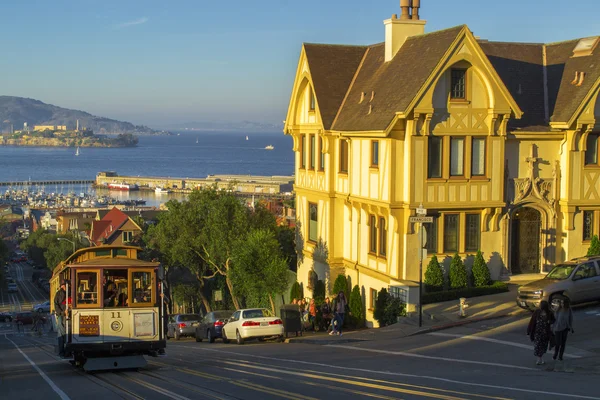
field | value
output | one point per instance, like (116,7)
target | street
(484,360)
(28,294)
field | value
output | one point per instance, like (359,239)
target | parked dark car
(25,318)
(182,325)
(5,316)
(211,326)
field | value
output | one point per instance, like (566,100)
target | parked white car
(42,308)
(252,323)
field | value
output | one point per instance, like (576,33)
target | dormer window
(313,101)
(458,84)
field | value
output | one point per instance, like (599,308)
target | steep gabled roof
(570,97)
(108,225)
(332,68)
(395,83)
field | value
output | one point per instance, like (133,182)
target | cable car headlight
(116,326)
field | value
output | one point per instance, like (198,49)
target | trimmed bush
(379,311)
(480,271)
(387,309)
(296,292)
(319,292)
(341,285)
(356,308)
(458,273)
(594,249)
(437,297)
(434,276)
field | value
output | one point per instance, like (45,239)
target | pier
(48,183)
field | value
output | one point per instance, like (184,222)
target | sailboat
(196,140)
(246,137)
(77,151)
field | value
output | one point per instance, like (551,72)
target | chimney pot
(405,7)
(416,4)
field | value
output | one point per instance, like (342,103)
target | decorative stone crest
(534,188)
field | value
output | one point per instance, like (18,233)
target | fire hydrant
(462,307)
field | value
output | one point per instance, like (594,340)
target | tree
(285,236)
(594,249)
(356,307)
(296,292)
(383,298)
(480,271)
(319,292)
(458,273)
(434,275)
(258,268)
(341,285)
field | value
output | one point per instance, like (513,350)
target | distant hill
(18,110)
(246,126)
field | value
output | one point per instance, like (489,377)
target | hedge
(436,297)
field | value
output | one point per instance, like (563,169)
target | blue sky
(160,62)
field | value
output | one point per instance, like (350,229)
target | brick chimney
(397,30)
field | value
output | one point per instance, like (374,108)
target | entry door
(525,241)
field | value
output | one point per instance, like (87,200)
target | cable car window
(87,288)
(115,288)
(141,284)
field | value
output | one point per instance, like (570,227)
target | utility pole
(421,218)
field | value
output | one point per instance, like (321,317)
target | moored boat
(122,186)
(269,147)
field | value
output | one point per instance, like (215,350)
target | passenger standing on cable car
(60,308)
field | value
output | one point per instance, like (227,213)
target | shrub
(458,273)
(387,308)
(296,292)
(434,276)
(594,249)
(319,292)
(341,285)
(436,297)
(480,271)
(356,308)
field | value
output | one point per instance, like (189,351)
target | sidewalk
(436,317)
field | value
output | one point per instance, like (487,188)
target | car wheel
(261,339)
(225,340)
(177,336)
(40,310)
(239,339)
(209,336)
(281,339)
(197,336)
(556,300)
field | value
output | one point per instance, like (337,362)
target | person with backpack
(339,308)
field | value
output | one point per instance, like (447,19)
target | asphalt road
(28,294)
(490,360)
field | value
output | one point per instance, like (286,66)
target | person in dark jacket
(339,308)
(60,308)
(562,325)
(326,313)
(539,330)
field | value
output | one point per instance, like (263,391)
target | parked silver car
(42,307)
(578,279)
(182,325)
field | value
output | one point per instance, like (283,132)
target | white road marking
(56,389)
(491,340)
(433,378)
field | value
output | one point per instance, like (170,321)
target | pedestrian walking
(339,309)
(562,325)
(312,314)
(539,331)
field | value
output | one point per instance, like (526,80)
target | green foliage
(44,248)
(259,268)
(285,236)
(319,292)
(357,309)
(388,308)
(434,276)
(341,285)
(296,292)
(186,296)
(594,249)
(458,273)
(480,271)
(436,297)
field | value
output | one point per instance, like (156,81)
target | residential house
(115,228)
(499,143)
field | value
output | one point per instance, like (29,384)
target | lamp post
(67,240)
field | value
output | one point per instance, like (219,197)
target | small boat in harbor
(246,137)
(269,147)
(196,140)
(77,151)
(122,186)
(160,190)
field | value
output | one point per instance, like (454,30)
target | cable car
(115,313)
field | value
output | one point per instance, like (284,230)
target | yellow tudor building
(498,141)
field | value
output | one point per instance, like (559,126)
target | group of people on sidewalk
(548,330)
(332,313)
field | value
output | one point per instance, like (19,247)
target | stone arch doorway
(525,241)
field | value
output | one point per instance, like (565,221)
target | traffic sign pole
(420,274)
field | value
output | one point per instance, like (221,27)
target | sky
(165,62)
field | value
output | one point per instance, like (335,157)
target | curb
(463,322)
(323,342)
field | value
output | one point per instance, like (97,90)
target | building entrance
(525,241)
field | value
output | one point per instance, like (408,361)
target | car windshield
(258,313)
(189,317)
(561,272)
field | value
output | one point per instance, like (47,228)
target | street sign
(421,219)
(217,295)
(420,210)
